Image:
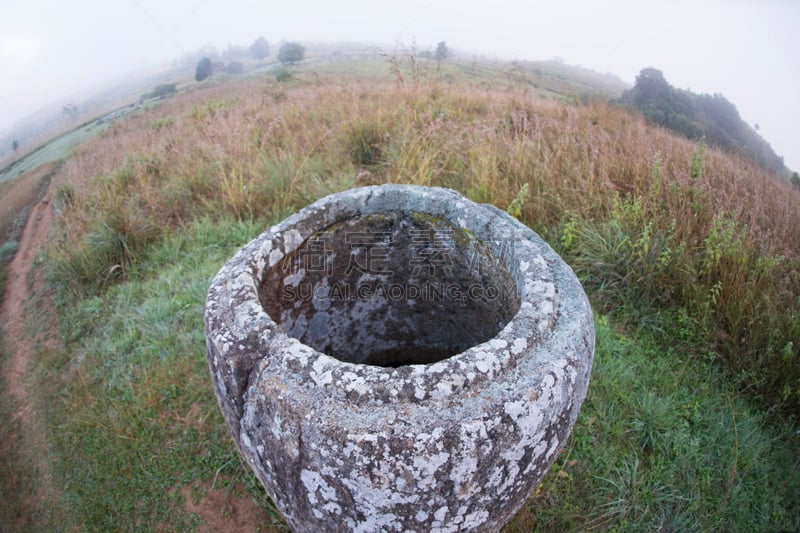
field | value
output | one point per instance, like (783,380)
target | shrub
(204,69)
(161,91)
(283,75)
(291,52)
(259,49)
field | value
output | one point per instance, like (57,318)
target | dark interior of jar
(391,289)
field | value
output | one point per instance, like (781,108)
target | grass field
(56,150)
(691,259)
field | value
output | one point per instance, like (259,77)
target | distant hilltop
(700,116)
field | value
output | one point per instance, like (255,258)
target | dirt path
(17,296)
(22,346)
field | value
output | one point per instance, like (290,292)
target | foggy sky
(742,49)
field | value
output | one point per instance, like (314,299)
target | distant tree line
(290,52)
(698,116)
(211,61)
(206,67)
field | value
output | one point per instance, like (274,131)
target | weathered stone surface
(399,358)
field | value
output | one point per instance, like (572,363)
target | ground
(27,438)
(20,345)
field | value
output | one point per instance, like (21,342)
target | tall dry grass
(651,221)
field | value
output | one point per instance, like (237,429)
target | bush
(291,52)
(204,69)
(283,75)
(161,91)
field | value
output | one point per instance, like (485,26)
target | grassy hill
(690,256)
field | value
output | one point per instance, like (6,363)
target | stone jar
(399,358)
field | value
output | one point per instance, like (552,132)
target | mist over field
(57,52)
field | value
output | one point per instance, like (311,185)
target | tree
(15,145)
(441,51)
(204,69)
(259,49)
(291,52)
(651,84)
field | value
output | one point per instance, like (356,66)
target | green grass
(690,259)
(136,418)
(663,440)
(665,443)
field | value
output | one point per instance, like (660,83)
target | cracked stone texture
(393,411)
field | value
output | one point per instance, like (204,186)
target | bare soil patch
(222,511)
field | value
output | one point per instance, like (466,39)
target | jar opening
(391,289)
